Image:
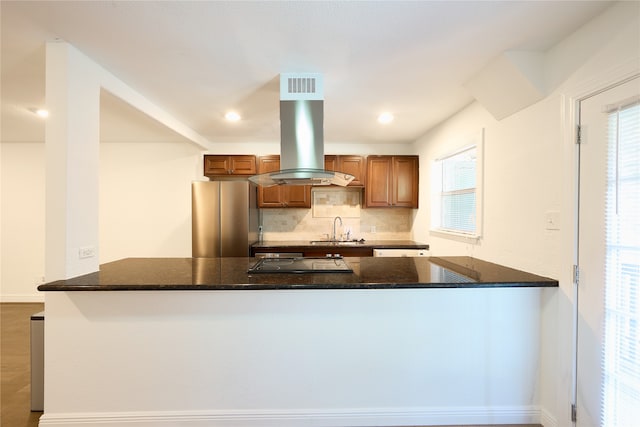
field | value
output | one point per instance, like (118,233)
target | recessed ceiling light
(232,116)
(385,118)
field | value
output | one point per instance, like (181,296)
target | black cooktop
(301,265)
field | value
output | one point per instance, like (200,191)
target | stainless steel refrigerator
(225,218)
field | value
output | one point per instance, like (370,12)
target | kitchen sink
(337,242)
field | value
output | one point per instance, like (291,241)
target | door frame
(571,99)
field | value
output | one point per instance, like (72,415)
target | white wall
(145,207)
(145,199)
(22,204)
(523,178)
(521,182)
(72,158)
(530,169)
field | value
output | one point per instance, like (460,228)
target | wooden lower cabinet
(320,251)
(341,250)
(281,196)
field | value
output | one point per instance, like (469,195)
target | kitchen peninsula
(157,274)
(195,342)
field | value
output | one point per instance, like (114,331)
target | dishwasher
(400,252)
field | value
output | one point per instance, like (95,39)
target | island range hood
(302,135)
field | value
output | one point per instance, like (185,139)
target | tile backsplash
(327,203)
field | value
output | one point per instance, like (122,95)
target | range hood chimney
(302,135)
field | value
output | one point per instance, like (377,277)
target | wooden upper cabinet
(353,165)
(378,190)
(223,165)
(269,197)
(331,162)
(404,182)
(392,181)
(279,196)
(296,196)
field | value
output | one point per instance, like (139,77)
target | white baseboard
(301,418)
(546,419)
(22,298)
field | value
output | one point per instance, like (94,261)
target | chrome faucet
(333,238)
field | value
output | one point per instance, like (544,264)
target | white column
(72,163)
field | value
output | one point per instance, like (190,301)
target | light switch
(552,220)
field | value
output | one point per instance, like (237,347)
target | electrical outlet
(86,252)
(373,228)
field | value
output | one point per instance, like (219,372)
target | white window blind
(621,370)
(455,190)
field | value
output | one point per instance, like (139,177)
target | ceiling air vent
(301,85)
(305,86)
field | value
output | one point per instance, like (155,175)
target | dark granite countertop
(152,274)
(377,244)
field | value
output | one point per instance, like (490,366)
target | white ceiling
(198,59)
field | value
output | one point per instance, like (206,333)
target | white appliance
(400,252)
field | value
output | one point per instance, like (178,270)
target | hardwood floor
(15,357)
(15,393)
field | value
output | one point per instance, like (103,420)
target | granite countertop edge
(229,274)
(247,287)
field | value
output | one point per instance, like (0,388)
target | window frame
(437,192)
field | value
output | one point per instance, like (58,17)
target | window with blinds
(455,201)
(621,370)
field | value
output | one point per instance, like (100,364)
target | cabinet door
(297,196)
(355,166)
(331,163)
(219,165)
(405,181)
(269,197)
(378,189)
(216,165)
(242,165)
(290,196)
